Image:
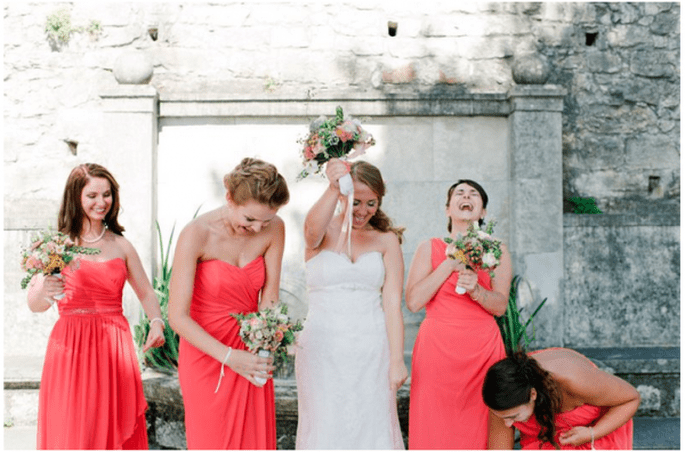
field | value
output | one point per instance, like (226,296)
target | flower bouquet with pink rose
(339,137)
(49,253)
(478,250)
(269,332)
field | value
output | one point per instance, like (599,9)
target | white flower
(483,235)
(489,260)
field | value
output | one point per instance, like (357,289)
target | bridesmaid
(558,399)
(91,392)
(459,338)
(228,261)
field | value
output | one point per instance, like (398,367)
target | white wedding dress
(343,358)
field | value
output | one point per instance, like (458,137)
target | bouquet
(49,253)
(268,332)
(478,250)
(339,137)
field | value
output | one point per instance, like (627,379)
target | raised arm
(392,308)
(145,293)
(320,215)
(423,282)
(188,252)
(273,258)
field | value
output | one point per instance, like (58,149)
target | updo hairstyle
(257,180)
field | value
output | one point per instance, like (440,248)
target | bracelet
(158,319)
(592,443)
(223,363)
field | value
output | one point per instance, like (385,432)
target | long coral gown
(91,392)
(457,343)
(240,415)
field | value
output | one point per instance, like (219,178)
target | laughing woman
(459,339)
(228,261)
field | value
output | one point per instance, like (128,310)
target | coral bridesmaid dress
(584,415)
(240,415)
(91,392)
(457,343)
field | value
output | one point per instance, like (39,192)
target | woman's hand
(249,366)
(398,375)
(468,279)
(155,338)
(576,436)
(335,169)
(52,285)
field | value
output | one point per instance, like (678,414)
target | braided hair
(508,384)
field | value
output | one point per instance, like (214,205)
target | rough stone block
(651,398)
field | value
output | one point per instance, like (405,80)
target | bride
(350,361)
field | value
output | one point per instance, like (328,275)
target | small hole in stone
(153,33)
(73,146)
(392,28)
(590,38)
(654,182)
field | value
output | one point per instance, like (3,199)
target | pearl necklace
(83,239)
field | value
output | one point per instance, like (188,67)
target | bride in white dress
(350,362)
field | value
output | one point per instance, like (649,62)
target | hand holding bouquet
(478,250)
(268,332)
(48,254)
(338,137)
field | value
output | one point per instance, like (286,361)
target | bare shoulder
(565,364)
(389,240)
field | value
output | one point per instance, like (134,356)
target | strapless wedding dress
(344,395)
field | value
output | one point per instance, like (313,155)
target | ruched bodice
(93,287)
(237,415)
(342,364)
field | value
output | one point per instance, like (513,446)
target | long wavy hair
(257,180)
(71,214)
(479,189)
(370,176)
(508,384)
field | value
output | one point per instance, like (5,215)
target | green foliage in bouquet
(514,330)
(584,205)
(164,358)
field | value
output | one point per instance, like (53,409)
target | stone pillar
(130,131)
(536,203)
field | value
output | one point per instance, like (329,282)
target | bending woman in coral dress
(350,361)
(558,399)
(91,393)
(228,261)
(459,339)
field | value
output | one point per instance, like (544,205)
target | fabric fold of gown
(91,393)
(457,343)
(240,415)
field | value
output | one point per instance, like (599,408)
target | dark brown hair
(473,184)
(508,384)
(71,214)
(370,176)
(257,180)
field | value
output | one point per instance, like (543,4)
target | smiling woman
(228,261)
(438,419)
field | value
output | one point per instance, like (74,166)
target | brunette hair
(473,184)
(257,180)
(71,214)
(508,384)
(370,176)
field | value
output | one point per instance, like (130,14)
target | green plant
(163,358)
(58,26)
(511,324)
(94,29)
(584,205)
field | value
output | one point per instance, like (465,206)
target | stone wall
(619,63)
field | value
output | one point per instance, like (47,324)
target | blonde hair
(370,176)
(257,180)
